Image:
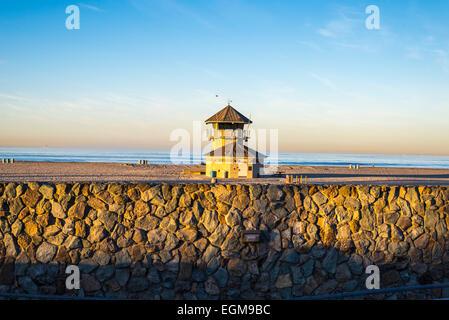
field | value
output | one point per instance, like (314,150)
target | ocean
(163,157)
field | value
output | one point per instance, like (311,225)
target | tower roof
(236,150)
(228,115)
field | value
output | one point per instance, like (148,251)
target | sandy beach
(116,172)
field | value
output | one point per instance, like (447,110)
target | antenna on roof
(248,128)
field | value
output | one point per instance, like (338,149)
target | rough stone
(284,281)
(108,219)
(27,284)
(210,220)
(233,218)
(219,235)
(97,233)
(57,211)
(307,268)
(138,284)
(431,219)
(319,198)
(221,276)
(343,273)
(141,208)
(30,197)
(46,252)
(47,191)
(352,204)
(122,259)
(404,223)
(96,204)
(187,234)
(422,241)
(330,261)
(211,287)
(290,256)
(77,211)
(147,223)
(314,238)
(89,283)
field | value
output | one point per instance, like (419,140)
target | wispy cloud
(439,56)
(311,45)
(442,58)
(172,6)
(413,53)
(88,6)
(326,33)
(324,81)
(341,25)
(13,97)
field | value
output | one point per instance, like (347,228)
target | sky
(136,70)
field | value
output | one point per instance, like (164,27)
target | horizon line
(168,149)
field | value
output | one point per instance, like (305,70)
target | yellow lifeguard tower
(230,157)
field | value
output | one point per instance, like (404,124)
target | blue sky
(137,69)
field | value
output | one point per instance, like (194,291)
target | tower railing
(228,134)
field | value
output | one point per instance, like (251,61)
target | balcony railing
(228,134)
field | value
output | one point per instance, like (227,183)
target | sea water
(126,155)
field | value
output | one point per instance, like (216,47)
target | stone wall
(185,241)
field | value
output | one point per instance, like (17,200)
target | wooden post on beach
(305,179)
(300,179)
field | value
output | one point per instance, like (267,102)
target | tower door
(243,170)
